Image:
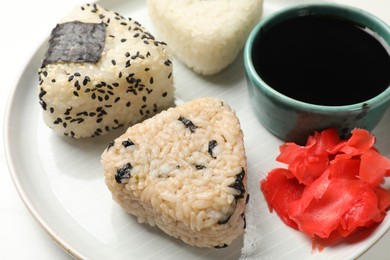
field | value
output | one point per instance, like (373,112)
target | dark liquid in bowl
(322,60)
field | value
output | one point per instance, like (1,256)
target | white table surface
(24,25)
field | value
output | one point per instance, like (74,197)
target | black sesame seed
(99,120)
(77,85)
(42,93)
(77,74)
(123,40)
(128,104)
(117,99)
(164,94)
(51,110)
(71,77)
(43,104)
(75,93)
(113,62)
(67,112)
(86,80)
(151,80)
(127,54)
(144,98)
(57,121)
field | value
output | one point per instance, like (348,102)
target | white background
(24,25)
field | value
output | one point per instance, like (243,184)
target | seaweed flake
(212,145)
(223,246)
(111,144)
(199,167)
(188,123)
(239,185)
(224,221)
(127,143)
(123,173)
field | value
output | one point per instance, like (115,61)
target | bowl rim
(303,9)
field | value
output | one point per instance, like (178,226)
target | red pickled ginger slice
(279,189)
(373,167)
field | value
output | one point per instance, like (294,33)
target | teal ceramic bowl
(293,120)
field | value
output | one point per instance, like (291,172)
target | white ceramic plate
(61,180)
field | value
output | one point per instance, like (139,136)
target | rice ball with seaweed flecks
(102,71)
(183,170)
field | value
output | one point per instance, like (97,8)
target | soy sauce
(323,60)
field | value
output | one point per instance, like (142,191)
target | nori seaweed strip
(76,42)
(123,173)
(188,123)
